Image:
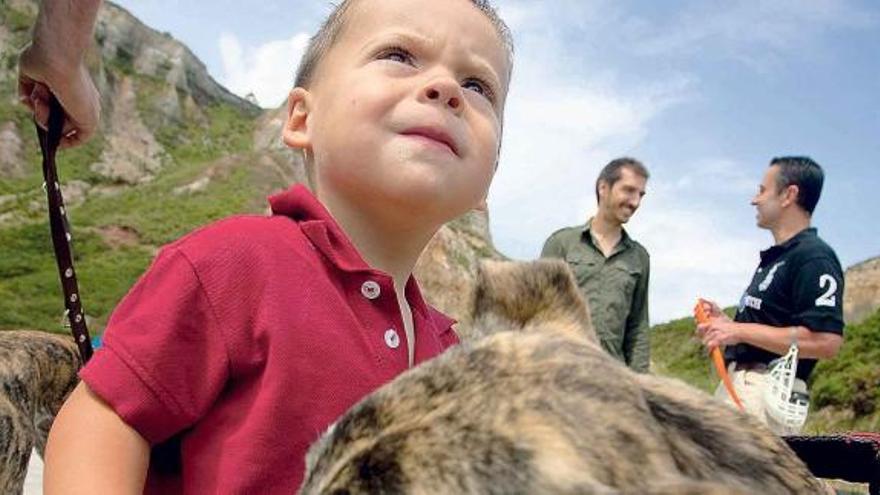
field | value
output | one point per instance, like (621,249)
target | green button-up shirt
(615,288)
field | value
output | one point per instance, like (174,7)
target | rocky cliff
(862,290)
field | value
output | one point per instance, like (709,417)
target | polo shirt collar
(299,204)
(774,252)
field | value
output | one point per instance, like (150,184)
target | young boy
(247,338)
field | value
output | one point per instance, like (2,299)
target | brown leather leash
(60,229)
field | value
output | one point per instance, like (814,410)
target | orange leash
(701,317)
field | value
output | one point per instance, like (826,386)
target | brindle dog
(540,409)
(37,372)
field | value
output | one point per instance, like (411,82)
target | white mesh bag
(784,405)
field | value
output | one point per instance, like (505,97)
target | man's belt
(749,366)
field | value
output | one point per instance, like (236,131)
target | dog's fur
(37,372)
(542,409)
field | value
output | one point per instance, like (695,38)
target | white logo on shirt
(828,298)
(769,278)
(748,301)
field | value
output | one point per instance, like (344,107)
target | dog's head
(538,295)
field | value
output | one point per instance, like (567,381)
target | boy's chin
(429,203)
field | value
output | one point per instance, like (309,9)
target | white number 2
(828,298)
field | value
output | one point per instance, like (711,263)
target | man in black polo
(795,294)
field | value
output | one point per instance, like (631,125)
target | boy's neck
(389,246)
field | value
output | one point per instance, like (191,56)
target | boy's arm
(91,450)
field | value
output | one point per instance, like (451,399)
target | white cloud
(266,70)
(698,247)
(750,30)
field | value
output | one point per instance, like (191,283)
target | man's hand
(54,64)
(719,331)
(713,310)
(40,76)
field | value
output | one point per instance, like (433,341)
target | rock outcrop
(132,46)
(11,153)
(861,296)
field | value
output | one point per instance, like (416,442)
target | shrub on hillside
(852,379)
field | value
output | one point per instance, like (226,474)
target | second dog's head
(539,295)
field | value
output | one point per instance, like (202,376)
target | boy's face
(405,111)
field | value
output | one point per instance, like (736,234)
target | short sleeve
(163,361)
(818,296)
(553,248)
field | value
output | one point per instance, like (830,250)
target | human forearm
(813,345)
(63,31)
(92,451)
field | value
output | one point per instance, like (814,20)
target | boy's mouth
(435,135)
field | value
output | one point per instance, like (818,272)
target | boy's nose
(445,91)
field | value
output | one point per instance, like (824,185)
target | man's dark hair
(612,172)
(803,172)
(330,30)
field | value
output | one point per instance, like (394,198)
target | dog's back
(544,410)
(37,372)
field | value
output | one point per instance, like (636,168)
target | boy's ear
(295,132)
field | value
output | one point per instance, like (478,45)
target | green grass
(852,379)
(677,353)
(30,294)
(15,20)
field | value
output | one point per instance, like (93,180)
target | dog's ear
(529,296)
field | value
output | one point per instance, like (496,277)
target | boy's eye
(396,54)
(479,87)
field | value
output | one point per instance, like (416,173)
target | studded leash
(60,229)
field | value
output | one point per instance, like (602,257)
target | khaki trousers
(749,385)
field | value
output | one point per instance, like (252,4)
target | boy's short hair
(323,40)
(803,172)
(611,173)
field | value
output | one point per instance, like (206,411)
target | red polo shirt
(248,338)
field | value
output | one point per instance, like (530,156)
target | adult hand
(713,310)
(42,74)
(719,331)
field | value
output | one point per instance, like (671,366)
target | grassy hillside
(845,390)
(118,227)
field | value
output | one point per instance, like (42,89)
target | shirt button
(392,340)
(370,289)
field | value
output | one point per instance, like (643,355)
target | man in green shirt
(611,269)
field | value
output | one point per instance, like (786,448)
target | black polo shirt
(798,282)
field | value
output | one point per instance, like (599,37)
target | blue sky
(704,93)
